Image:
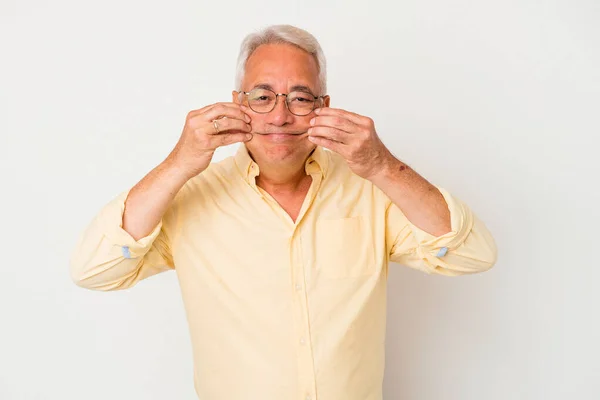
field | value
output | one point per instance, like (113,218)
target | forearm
(420,201)
(150,198)
(125,242)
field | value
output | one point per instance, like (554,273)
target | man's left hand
(352,136)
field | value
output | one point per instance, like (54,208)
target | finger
(334,134)
(221,110)
(230,138)
(225,125)
(335,121)
(328,111)
(327,143)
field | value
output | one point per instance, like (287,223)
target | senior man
(282,250)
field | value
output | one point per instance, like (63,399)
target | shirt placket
(306,367)
(307,389)
(304,346)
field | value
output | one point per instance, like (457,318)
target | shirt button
(442,252)
(298,286)
(302,341)
(308,397)
(126,252)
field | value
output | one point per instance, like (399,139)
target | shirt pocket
(344,248)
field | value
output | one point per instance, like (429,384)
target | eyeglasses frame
(287,106)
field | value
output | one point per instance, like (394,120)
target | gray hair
(281,34)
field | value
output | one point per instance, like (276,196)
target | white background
(497,101)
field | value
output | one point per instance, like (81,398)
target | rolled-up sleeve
(468,248)
(106,257)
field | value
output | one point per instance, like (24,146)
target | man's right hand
(205,130)
(149,199)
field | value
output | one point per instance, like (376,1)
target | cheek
(257,123)
(305,121)
(258,143)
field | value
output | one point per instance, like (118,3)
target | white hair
(281,34)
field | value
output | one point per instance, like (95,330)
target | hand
(353,137)
(205,130)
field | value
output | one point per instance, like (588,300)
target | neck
(277,178)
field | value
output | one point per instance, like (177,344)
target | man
(282,251)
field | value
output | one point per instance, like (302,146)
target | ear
(326,100)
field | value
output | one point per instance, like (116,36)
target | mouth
(281,133)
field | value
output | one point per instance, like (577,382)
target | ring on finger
(216,126)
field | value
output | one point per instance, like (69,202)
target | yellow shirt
(281,310)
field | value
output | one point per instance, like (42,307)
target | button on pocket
(344,247)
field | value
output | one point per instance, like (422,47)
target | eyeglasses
(299,103)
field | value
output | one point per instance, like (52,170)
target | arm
(467,248)
(126,242)
(148,201)
(429,229)
(421,202)
(426,227)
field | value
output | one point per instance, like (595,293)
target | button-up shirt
(281,309)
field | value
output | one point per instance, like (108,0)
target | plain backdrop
(497,101)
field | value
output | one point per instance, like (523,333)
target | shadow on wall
(436,335)
(408,307)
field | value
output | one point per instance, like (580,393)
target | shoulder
(207,183)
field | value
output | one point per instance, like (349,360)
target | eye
(261,98)
(301,98)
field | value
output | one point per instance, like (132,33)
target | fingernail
(309,131)
(248,119)
(317,111)
(312,121)
(249,136)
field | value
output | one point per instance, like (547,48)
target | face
(283,69)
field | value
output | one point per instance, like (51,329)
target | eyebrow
(301,88)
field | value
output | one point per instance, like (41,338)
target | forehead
(281,66)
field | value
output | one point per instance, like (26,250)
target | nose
(281,115)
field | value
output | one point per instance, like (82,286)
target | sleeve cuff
(111,220)
(461,218)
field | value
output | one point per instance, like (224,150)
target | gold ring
(216,126)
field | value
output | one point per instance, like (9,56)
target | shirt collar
(317,163)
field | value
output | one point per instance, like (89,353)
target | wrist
(386,168)
(176,165)
(177,171)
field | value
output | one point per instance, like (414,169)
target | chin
(280,150)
